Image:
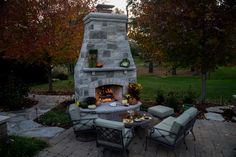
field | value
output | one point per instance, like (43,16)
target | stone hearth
(105,33)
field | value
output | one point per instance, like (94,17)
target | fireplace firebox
(109,93)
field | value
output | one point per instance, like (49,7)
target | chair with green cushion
(171,131)
(82,125)
(113,135)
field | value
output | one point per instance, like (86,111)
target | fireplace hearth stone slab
(106,108)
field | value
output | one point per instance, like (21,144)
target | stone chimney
(105,57)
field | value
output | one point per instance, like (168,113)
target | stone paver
(213,139)
(214,116)
(21,122)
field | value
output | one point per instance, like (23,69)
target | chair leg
(185,143)
(125,152)
(194,138)
(146,143)
(175,153)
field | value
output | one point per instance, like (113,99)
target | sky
(121,4)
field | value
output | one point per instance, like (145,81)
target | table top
(143,120)
(107,108)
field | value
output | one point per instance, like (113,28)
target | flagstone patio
(213,139)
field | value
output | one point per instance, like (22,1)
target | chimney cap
(104,8)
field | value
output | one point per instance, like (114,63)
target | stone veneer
(106,33)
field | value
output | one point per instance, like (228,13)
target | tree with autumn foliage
(47,32)
(141,29)
(194,33)
(147,46)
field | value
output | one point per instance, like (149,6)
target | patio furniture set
(116,133)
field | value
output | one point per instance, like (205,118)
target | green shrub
(60,72)
(62,76)
(172,100)
(21,147)
(189,96)
(160,97)
(13,91)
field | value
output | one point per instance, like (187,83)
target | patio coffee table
(140,120)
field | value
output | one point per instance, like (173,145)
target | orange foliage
(43,31)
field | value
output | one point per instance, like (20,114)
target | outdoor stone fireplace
(105,66)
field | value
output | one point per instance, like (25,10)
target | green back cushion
(110,124)
(180,121)
(74,112)
(192,111)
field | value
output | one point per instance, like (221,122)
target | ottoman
(160,111)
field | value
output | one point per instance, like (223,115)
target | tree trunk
(192,69)
(150,68)
(50,87)
(173,71)
(203,92)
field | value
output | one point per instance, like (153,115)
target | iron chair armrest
(152,130)
(82,119)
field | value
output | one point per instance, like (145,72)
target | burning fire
(106,94)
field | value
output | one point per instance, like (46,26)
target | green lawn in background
(221,84)
(61,86)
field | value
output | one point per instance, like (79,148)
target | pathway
(21,122)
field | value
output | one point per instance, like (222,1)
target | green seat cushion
(163,126)
(74,112)
(160,111)
(169,121)
(163,136)
(192,111)
(179,122)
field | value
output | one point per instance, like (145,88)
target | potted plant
(134,90)
(92,58)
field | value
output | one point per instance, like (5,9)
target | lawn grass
(59,86)
(220,85)
(21,147)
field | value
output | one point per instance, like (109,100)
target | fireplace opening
(108,93)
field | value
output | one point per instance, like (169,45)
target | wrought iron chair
(113,135)
(171,131)
(82,125)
